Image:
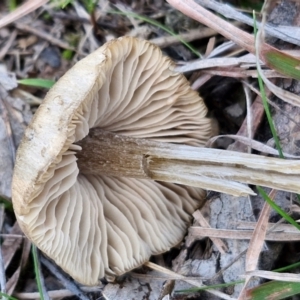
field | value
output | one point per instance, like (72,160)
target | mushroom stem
(219,170)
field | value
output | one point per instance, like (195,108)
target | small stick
(44,35)
(54,294)
(194,34)
(69,284)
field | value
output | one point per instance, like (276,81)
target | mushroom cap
(93,225)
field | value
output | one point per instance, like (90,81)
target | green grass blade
(265,102)
(7,204)
(274,290)
(37,271)
(67,54)
(277,208)
(37,82)
(90,5)
(283,63)
(269,117)
(159,25)
(62,3)
(286,268)
(7,296)
(210,287)
(12,4)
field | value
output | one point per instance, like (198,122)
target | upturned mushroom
(127,118)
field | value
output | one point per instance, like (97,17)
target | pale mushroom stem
(219,170)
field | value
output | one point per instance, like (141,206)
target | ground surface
(47,42)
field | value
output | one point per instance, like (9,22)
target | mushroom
(93,225)
(127,117)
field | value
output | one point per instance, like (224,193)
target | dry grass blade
(240,37)
(196,283)
(12,282)
(274,227)
(290,98)
(289,34)
(216,62)
(252,144)
(242,234)
(240,72)
(221,246)
(195,11)
(257,242)
(193,34)
(258,238)
(55,294)
(249,117)
(289,277)
(257,112)
(24,9)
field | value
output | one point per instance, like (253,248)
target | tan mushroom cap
(96,225)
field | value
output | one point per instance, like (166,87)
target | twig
(88,28)
(7,45)
(54,294)
(69,284)
(219,273)
(194,34)
(21,11)
(67,16)
(44,35)
(5,117)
